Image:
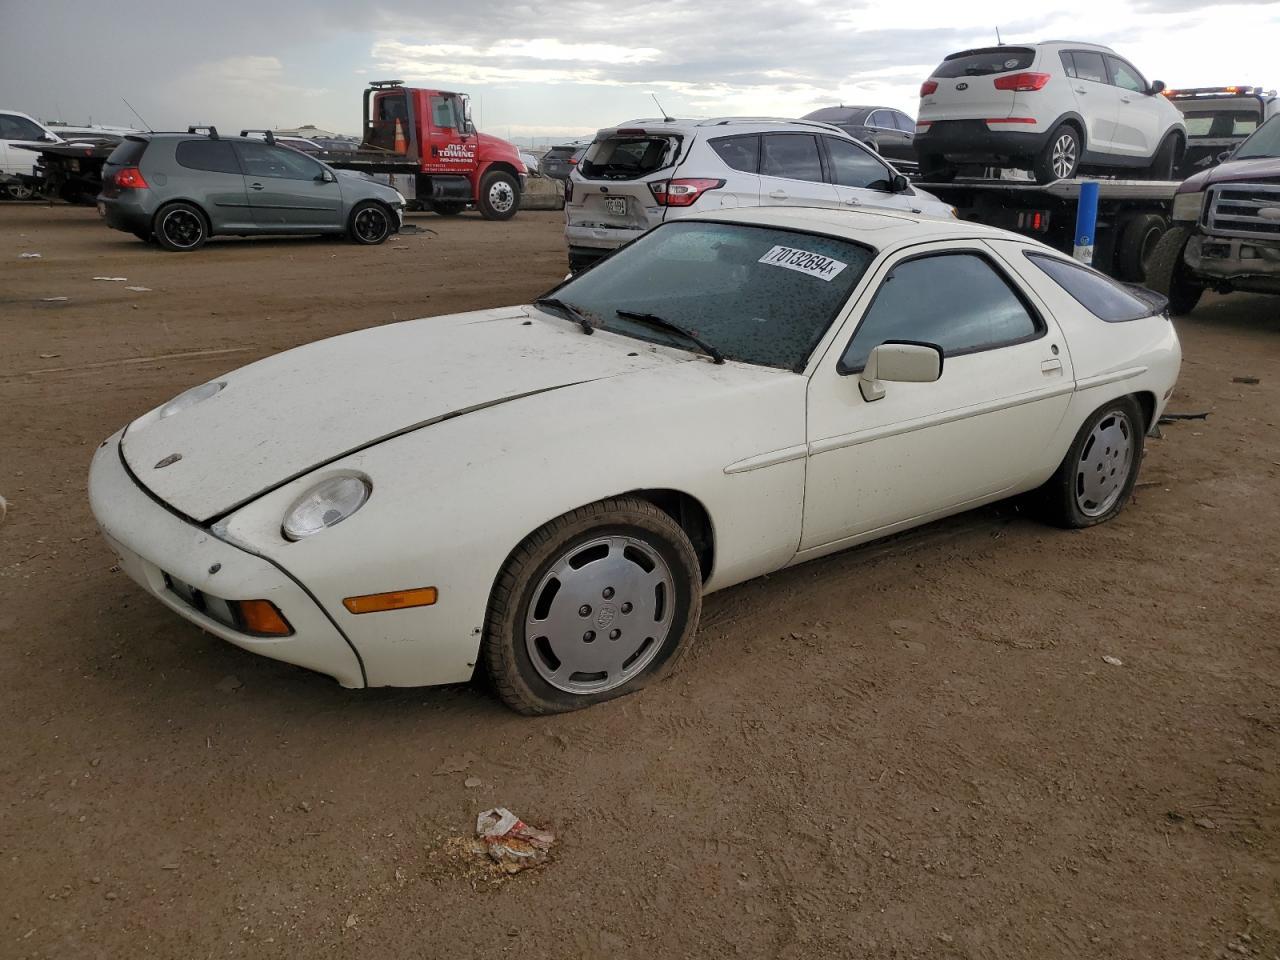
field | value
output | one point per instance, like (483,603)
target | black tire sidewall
(1130,264)
(157,227)
(1168,275)
(356,211)
(482,201)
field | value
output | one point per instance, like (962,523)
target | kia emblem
(962,86)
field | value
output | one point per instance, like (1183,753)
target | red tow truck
(425,139)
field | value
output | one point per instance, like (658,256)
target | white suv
(1047,107)
(17,129)
(640,173)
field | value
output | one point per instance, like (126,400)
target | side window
(880,118)
(851,166)
(263,160)
(443,114)
(18,128)
(1100,295)
(1124,76)
(979,311)
(1089,66)
(791,155)
(213,155)
(740,153)
(904,123)
(1068,63)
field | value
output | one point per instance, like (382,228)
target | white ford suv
(1047,107)
(643,172)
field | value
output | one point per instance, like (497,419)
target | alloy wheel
(1105,463)
(1064,156)
(501,196)
(183,228)
(371,225)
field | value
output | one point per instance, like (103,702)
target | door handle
(1051,366)
(255,186)
(778,194)
(1081,90)
(1125,100)
(853,202)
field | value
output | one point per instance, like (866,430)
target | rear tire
(1096,477)
(180,227)
(499,196)
(594,605)
(1165,159)
(370,224)
(1138,240)
(1167,272)
(1059,158)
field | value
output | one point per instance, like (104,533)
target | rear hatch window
(628,157)
(128,153)
(982,63)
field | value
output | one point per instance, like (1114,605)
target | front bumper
(1234,258)
(151,542)
(973,141)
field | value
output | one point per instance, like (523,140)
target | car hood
(284,416)
(1254,170)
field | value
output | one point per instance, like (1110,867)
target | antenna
(665,117)
(138,115)
(999,42)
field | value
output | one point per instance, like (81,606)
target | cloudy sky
(570,67)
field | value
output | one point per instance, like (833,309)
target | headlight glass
(328,503)
(191,398)
(1186,206)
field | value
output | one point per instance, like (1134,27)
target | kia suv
(182,189)
(1050,108)
(643,172)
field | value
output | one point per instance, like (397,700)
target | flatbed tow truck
(1132,215)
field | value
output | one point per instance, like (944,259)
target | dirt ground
(907,750)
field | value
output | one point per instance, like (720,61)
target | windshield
(761,295)
(1265,142)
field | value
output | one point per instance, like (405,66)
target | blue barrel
(1086,222)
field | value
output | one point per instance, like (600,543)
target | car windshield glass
(1217,124)
(761,295)
(980,63)
(1265,142)
(628,157)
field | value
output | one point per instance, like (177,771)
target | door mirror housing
(899,361)
(899,184)
(327,176)
(1157,86)
(48,138)
(467,124)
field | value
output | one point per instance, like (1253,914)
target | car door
(925,449)
(1097,101)
(891,141)
(208,172)
(860,177)
(791,172)
(450,148)
(289,191)
(1138,119)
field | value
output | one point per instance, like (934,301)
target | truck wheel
(1059,158)
(1167,272)
(1163,162)
(1138,239)
(448,208)
(499,196)
(934,169)
(370,224)
(180,227)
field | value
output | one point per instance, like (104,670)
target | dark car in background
(183,188)
(889,132)
(559,161)
(1218,120)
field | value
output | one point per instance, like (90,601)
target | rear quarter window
(128,153)
(628,157)
(981,63)
(216,156)
(1100,295)
(740,153)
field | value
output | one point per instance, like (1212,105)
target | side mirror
(899,361)
(899,184)
(327,176)
(467,122)
(48,138)
(1157,86)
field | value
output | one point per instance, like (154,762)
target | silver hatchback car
(183,188)
(643,172)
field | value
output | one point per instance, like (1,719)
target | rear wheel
(448,208)
(499,196)
(1096,477)
(370,223)
(19,191)
(1167,272)
(180,227)
(1059,158)
(1138,239)
(592,606)
(1165,159)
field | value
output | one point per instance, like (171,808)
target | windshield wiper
(656,321)
(569,310)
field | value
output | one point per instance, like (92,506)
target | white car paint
(476,429)
(17,130)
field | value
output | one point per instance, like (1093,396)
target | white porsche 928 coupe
(548,491)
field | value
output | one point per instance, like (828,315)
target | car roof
(882,229)
(842,112)
(743,125)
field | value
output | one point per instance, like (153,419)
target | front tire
(180,227)
(1168,273)
(1138,240)
(1059,158)
(592,606)
(1096,477)
(1165,159)
(370,224)
(499,196)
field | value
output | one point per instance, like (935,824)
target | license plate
(102,209)
(616,205)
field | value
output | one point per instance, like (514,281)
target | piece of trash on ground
(1175,417)
(1249,380)
(29,256)
(510,842)
(138,289)
(49,356)
(54,299)
(1114,661)
(111,278)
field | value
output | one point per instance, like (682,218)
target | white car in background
(547,491)
(1051,108)
(644,172)
(16,131)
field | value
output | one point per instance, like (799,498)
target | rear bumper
(974,140)
(123,214)
(582,257)
(151,542)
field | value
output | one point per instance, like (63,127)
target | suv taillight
(131,178)
(1022,82)
(568,191)
(683,192)
(928,87)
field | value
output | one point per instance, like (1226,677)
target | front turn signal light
(262,618)
(393,600)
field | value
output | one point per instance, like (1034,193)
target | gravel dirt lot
(907,750)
